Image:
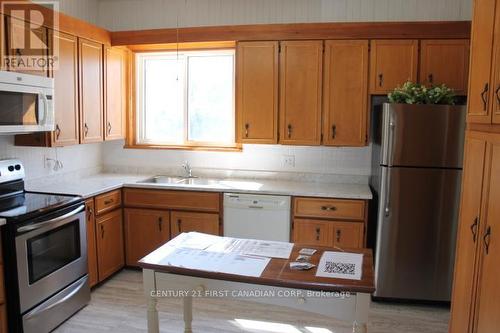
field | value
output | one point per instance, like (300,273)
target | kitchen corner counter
(91,186)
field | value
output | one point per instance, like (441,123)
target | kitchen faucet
(187,169)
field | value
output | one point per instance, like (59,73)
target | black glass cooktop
(28,205)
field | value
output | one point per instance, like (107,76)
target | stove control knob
(11,168)
(18,167)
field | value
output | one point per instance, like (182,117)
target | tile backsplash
(76,160)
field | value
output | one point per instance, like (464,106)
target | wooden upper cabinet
(145,231)
(445,62)
(345,93)
(468,236)
(495,76)
(480,65)
(26,51)
(116,93)
(66,87)
(393,62)
(257,92)
(91,91)
(300,92)
(488,306)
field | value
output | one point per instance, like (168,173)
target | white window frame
(140,59)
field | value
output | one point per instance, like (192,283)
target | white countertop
(90,186)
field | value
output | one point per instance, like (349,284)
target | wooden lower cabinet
(3,319)
(145,231)
(111,256)
(91,243)
(187,221)
(328,233)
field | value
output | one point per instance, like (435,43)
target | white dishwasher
(265,217)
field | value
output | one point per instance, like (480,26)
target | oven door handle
(54,220)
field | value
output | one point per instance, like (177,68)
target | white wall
(82,159)
(149,14)
(261,158)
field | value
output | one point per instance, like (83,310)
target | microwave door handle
(43,113)
(54,220)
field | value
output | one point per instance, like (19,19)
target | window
(186,98)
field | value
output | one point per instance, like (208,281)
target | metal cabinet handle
(160,222)
(318,233)
(329,208)
(380,80)
(334,131)
(430,78)
(339,235)
(289,131)
(109,127)
(179,223)
(58,131)
(486,239)
(86,127)
(102,231)
(247,126)
(473,229)
(497,94)
(484,96)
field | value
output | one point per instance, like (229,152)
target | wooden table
(300,290)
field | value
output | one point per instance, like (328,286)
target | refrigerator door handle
(387,193)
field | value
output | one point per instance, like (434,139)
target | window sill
(235,148)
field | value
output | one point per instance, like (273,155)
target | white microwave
(26,103)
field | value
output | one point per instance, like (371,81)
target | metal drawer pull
(160,222)
(486,239)
(179,222)
(102,231)
(380,80)
(484,96)
(109,127)
(329,208)
(497,94)
(58,131)
(107,202)
(473,229)
(339,235)
(431,78)
(318,233)
(247,126)
(289,131)
(334,131)
(86,127)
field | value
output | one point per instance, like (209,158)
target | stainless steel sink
(172,180)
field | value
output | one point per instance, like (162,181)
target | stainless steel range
(45,253)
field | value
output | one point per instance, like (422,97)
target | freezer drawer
(420,135)
(416,233)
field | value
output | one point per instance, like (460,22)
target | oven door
(51,255)
(25,109)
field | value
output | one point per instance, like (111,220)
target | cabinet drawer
(330,208)
(312,232)
(108,201)
(201,222)
(180,200)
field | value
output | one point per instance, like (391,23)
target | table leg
(188,314)
(148,277)
(361,317)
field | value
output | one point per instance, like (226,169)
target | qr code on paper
(340,268)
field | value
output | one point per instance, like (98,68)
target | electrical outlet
(288,161)
(46,162)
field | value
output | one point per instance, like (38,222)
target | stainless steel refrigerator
(417,168)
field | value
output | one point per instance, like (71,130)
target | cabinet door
(91,91)
(345,94)
(348,234)
(495,76)
(24,52)
(66,87)
(116,93)
(393,62)
(467,240)
(300,92)
(110,256)
(312,232)
(257,91)
(488,306)
(186,221)
(445,62)
(91,242)
(480,64)
(145,231)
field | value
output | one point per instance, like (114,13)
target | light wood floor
(119,306)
